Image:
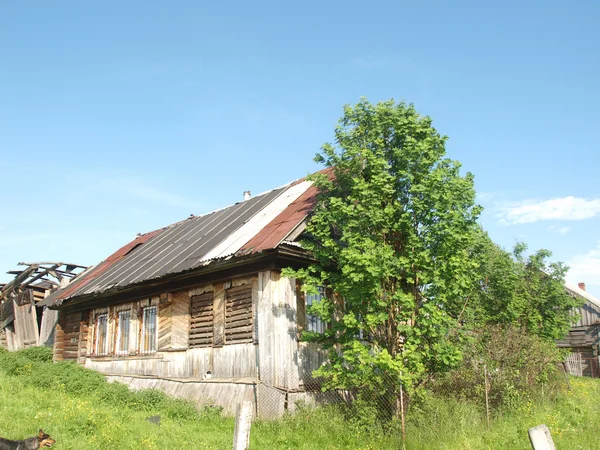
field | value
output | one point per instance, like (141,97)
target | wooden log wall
(68,339)
(59,343)
(84,337)
(3,343)
(71,326)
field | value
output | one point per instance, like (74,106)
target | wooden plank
(236,298)
(242,322)
(241,288)
(219,315)
(239,330)
(245,302)
(255,309)
(246,307)
(207,318)
(195,334)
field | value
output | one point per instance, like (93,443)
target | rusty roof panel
(251,226)
(173,249)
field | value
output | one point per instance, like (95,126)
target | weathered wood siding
(588,313)
(581,337)
(174,321)
(49,321)
(243,328)
(277,330)
(229,361)
(197,334)
(26,326)
(586,332)
(214,392)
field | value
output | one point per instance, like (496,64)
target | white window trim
(120,331)
(104,350)
(144,351)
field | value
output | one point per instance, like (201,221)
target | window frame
(144,331)
(312,323)
(98,317)
(123,331)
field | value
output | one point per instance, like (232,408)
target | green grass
(80,410)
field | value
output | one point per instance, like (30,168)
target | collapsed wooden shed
(24,322)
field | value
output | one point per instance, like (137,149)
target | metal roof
(254,225)
(584,294)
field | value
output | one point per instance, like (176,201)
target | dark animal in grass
(42,440)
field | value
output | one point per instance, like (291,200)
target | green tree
(519,290)
(391,233)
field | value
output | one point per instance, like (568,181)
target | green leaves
(520,290)
(391,235)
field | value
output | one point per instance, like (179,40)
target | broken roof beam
(39,272)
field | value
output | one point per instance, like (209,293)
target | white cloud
(565,208)
(585,268)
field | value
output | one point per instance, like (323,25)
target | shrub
(40,354)
(518,366)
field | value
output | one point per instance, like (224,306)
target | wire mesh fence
(385,406)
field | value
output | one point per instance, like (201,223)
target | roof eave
(282,256)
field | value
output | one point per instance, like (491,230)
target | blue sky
(122,117)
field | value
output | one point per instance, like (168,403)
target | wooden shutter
(238,314)
(201,330)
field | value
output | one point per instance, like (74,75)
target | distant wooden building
(200,309)
(24,322)
(584,336)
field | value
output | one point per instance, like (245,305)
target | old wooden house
(584,336)
(24,322)
(200,309)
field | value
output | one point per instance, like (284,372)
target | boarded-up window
(101,341)
(238,314)
(149,335)
(124,319)
(201,330)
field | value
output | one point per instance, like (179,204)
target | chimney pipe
(582,286)
(247,195)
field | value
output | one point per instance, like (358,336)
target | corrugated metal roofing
(576,290)
(589,312)
(196,241)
